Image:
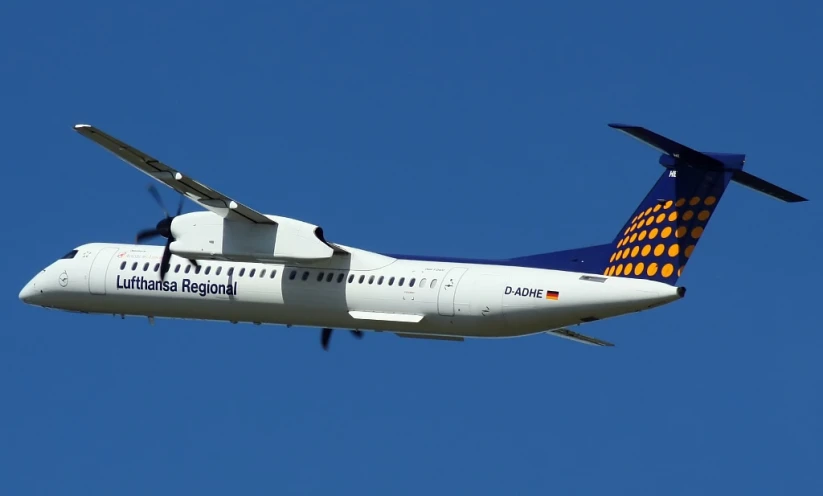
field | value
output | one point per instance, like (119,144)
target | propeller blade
(324,338)
(164,262)
(163,229)
(158,199)
(147,234)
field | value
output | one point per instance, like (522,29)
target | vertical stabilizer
(661,235)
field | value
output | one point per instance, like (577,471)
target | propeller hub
(164,227)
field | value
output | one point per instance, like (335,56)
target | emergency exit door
(448,288)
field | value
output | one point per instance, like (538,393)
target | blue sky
(464,129)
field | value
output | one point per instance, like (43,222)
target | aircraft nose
(32,290)
(28,292)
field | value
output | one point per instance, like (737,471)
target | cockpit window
(68,255)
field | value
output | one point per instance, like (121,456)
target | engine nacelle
(207,235)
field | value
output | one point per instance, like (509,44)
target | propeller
(163,228)
(325,336)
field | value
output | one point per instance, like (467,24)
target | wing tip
(82,126)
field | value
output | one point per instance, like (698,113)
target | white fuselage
(364,291)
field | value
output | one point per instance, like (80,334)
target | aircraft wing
(201,194)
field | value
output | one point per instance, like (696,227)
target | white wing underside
(201,194)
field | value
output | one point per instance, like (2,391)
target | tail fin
(662,233)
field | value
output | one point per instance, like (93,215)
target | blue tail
(660,237)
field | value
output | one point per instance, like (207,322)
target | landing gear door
(445,297)
(98,270)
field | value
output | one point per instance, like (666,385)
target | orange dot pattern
(660,239)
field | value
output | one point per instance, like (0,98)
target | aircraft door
(98,270)
(445,297)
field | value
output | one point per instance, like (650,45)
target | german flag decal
(552,295)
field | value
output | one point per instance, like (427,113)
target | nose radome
(28,292)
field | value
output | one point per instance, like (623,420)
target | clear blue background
(467,129)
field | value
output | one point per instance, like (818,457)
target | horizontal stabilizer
(718,162)
(766,187)
(669,147)
(580,338)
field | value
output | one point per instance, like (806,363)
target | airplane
(231,263)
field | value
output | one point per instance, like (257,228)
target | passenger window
(401,281)
(330,277)
(320,276)
(391,280)
(197,269)
(188,269)
(219,268)
(293,274)
(251,272)
(351,277)
(411,282)
(380,281)
(305,275)
(273,273)
(362,278)
(340,277)
(371,279)
(434,282)
(242,271)
(134,266)
(177,268)
(262,273)
(208,269)
(122,265)
(156,266)
(423,282)
(145,266)
(229,272)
